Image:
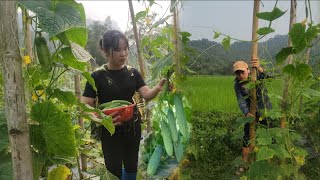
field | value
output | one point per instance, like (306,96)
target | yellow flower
(34,97)
(26,59)
(300,160)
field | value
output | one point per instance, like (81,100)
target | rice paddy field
(216,93)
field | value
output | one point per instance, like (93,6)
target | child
(242,72)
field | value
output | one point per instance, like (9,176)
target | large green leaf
(76,35)
(264,141)
(80,53)
(265,153)
(297,35)
(58,16)
(57,129)
(87,75)
(303,71)
(66,97)
(281,151)
(69,60)
(160,65)
(290,69)
(283,54)
(312,33)
(270,16)
(265,31)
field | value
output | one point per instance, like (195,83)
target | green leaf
(226,43)
(264,141)
(57,129)
(80,53)
(69,60)
(312,33)
(310,92)
(270,16)
(66,97)
(297,151)
(185,37)
(281,151)
(290,69)
(58,173)
(76,35)
(265,153)
(140,14)
(56,18)
(243,120)
(160,65)
(87,75)
(297,35)
(265,31)
(258,168)
(216,35)
(303,71)
(283,54)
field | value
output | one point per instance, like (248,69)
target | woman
(114,81)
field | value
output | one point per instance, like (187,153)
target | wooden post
(253,92)
(141,62)
(27,33)
(176,42)
(285,97)
(77,87)
(14,93)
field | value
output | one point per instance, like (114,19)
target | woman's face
(119,55)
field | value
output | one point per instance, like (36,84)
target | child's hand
(256,64)
(249,115)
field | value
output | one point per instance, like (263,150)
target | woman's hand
(115,118)
(161,84)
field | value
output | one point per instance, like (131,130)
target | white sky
(119,10)
(200,18)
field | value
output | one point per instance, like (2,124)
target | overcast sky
(201,18)
(234,18)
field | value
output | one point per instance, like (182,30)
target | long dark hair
(110,40)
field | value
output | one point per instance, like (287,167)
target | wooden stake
(253,92)
(285,97)
(14,93)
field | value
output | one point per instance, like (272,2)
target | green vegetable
(43,53)
(166,136)
(172,125)
(154,161)
(114,104)
(181,117)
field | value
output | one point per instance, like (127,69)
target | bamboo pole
(136,36)
(141,62)
(177,48)
(27,34)
(253,92)
(285,97)
(77,87)
(14,93)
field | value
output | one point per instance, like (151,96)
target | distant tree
(96,30)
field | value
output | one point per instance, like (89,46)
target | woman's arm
(88,100)
(148,94)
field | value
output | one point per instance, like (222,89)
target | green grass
(216,93)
